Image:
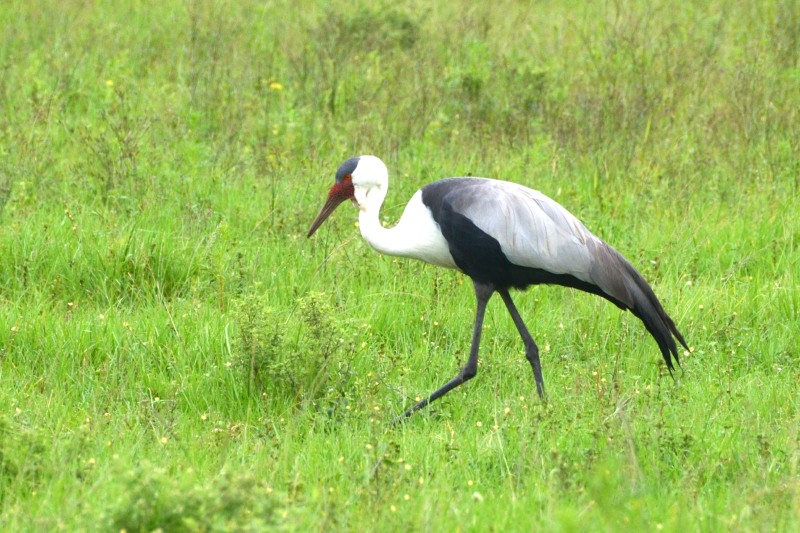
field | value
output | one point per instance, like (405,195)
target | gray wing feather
(533,230)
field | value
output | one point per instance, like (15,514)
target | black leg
(482,293)
(531,350)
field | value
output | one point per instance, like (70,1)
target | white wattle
(416,235)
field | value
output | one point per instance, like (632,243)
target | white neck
(387,241)
(416,235)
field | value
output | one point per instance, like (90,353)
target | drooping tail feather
(622,284)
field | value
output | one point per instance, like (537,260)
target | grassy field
(175,354)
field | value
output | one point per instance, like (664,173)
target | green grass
(175,354)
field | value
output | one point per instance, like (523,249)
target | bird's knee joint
(531,350)
(467,373)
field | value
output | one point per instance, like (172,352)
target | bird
(504,236)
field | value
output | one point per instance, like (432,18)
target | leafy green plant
(262,356)
(310,367)
(154,500)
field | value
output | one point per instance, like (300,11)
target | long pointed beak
(329,207)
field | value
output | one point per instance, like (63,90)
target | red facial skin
(341,191)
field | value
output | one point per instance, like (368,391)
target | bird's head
(356,179)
